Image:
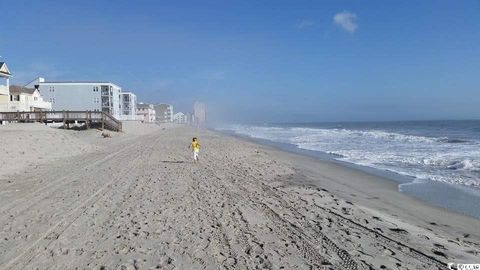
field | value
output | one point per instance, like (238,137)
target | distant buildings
(200,113)
(190,118)
(180,118)
(128,103)
(145,113)
(164,113)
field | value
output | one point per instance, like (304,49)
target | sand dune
(27,145)
(140,203)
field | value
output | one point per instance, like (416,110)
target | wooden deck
(66,117)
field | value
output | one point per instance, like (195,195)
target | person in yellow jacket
(195,145)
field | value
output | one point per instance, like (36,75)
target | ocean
(421,152)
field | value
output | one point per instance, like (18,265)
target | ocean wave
(451,160)
(373,134)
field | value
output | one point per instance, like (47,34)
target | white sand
(138,202)
(29,145)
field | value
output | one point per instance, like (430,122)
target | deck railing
(67,117)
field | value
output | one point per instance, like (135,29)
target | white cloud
(301,24)
(346,20)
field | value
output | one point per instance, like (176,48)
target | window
(95,89)
(51,89)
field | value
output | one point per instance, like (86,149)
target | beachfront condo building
(4,87)
(200,113)
(164,113)
(145,113)
(128,102)
(80,96)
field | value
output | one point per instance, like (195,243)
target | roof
(104,82)
(78,82)
(15,89)
(144,105)
(4,70)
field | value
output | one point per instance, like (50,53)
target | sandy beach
(75,200)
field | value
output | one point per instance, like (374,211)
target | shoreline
(377,186)
(453,198)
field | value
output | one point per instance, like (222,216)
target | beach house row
(43,95)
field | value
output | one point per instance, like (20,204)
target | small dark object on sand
(106,135)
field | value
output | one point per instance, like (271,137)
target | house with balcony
(128,101)
(24,99)
(4,87)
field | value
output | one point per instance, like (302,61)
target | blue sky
(262,61)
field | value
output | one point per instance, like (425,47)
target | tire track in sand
(54,232)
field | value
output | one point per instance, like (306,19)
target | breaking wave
(451,160)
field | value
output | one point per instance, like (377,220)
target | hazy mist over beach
(277,61)
(242,134)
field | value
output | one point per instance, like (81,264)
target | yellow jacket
(195,145)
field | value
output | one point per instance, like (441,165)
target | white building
(4,87)
(80,96)
(164,113)
(200,113)
(180,118)
(25,99)
(145,113)
(128,102)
